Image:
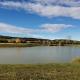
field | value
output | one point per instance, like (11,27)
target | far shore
(17,45)
(4,45)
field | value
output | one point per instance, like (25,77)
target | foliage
(38,41)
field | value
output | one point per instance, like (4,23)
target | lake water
(40,54)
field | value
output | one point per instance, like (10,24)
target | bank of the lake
(17,45)
(27,45)
(40,72)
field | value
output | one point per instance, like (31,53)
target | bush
(76,60)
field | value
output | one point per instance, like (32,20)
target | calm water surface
(41,54)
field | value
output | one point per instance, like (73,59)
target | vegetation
(18,45)
(35,42)
(40,72)
(76,60)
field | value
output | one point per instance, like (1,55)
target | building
(18,40)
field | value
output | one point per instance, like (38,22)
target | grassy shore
(40,72)
(17,45)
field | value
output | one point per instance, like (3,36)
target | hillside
(62,42)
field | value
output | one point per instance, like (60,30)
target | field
(17,45)
(40,72)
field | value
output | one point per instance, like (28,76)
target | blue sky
(50,19)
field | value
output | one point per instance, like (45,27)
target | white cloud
(54,11)
(44,10)
(55,27)
(14,29)
(43,29)
(11,4)
(59,2)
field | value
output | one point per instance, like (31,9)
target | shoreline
(4,45)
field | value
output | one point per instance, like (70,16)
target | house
(18,40)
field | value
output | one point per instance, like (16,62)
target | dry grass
(76,60)
(40,72)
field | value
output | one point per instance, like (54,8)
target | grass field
(17,45)
(40,72)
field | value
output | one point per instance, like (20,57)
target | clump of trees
(3,41)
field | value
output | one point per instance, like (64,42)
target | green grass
(40,72)
(18,45)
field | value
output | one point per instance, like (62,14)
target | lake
(39,54)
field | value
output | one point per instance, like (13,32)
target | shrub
(76,60)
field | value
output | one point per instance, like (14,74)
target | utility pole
(69,37)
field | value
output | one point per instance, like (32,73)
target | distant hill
(56,42)
(5,37)
(30,39)
(42,41)
(10,37)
